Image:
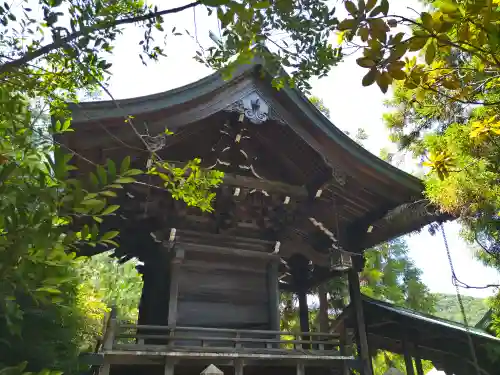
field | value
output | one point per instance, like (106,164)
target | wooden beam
(290,247)
(267,185)
(274,297)
(228,251)
(174,287)
(357,302)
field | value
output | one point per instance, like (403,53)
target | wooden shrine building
(299,203)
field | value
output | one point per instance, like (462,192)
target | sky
(351,105)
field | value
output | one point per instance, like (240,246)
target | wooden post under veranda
(357,304)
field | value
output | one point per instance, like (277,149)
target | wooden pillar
(274,296)
(418,361)
(174,287)
(105,367)
(301,370)
(303,310)
(345,348)
(169,367)
(357,304)
(406,352)
(303,315)
(238,367)
(108,341)
(324,323)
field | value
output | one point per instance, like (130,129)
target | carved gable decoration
(254,108)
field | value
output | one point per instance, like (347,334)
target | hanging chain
(460,302)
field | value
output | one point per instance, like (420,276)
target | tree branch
(29,56)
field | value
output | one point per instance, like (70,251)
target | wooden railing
(163,338)
(130,344)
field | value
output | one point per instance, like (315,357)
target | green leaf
(14,370)
(125,180)
(430,53)
(376,11)
(48,290)
(133,172)
(365,62)
(370,77)
(111,243)
(427,20)
(108,193)
(92,202)
(110,209)
(261,5)
(383,81)
(58,126)
(109,235)
(111,169)
(417,43)
(103,176)
(347,24)
(397,74)
(351,8)
(66,125)
(446,6)
(85,231)
(370,4)
(384,7)
(125,165)
(93,179)
(94,232)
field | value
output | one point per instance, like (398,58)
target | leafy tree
(445,101)
(451,93)
(390,275)
(298,32)
(318,102)
(447,308)
(118,285)
(46,315)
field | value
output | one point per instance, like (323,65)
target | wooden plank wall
(223,291)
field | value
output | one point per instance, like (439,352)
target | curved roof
(199,90)
(298,146)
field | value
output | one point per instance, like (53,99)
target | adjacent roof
(443,342)
(429,319)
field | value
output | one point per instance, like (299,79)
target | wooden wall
(223,291)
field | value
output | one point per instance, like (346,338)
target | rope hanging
(460,302)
